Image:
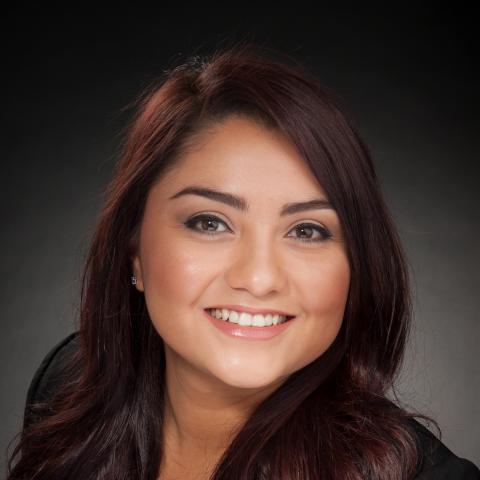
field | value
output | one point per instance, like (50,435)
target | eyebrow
(242,205)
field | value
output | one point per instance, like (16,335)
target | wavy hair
(332,418)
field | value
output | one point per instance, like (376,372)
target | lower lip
(249,333)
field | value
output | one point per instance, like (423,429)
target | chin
(250,380)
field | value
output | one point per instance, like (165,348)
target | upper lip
(253,311)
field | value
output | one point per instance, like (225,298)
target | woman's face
(256,258)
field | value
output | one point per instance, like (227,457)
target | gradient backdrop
(407,75)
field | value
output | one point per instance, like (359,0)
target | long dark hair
(331,419)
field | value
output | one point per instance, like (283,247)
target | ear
(133,250)
(137,271)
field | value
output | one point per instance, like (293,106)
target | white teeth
(258,320)
(246,319)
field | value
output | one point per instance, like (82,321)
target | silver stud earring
(134,280)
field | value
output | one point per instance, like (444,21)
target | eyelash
(190,223)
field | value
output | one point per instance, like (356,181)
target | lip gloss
(248,333)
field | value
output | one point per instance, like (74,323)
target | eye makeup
(208,219)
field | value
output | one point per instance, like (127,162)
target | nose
(256,266)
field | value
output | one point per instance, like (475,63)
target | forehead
(241,153)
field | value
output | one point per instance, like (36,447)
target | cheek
(173,271)
(174,279)
(322,292)
(324,289)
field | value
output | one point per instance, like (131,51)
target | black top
(444,464)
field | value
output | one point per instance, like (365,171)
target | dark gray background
(406,74)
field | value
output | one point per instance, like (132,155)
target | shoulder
(437,461)
(48,374)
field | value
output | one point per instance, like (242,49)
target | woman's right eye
(207,224)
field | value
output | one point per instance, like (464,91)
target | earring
(134,280)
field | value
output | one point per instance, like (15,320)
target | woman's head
(196,253)
(249,125)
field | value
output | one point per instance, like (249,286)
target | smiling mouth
(245,319)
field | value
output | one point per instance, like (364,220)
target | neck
(203,414)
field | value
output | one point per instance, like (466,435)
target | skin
(254,258)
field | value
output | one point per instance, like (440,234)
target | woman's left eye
(212,221)
(310,228)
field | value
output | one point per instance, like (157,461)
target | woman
(245,301)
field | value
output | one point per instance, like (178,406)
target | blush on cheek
(173,270)
(330,291)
